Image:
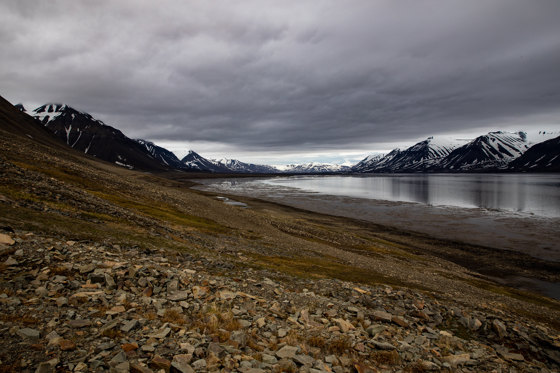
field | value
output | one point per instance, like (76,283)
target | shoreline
(512,268)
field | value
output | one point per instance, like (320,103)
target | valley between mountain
(109,268)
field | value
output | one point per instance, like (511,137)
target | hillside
(91,136)
(544,156)
(105,268)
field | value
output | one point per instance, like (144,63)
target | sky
(285,81)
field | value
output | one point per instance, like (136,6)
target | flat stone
(79,323)
(383,345)
(11,262)
(45,367)
(269,359)
(127,347)
(287,352)
(116,310)
(97,278)
(304,360)
(499,328)
(129,325)
(455,360)
(66,345)
(375,329)
(148,291)
(117,359)
(6,240)
(61,301)
(382,316)
(110,325)
(137,368)
(28,333)
(344,325)
(123,367)
(109,281)
(200,364)
(87,268)
(160,334)
(180,364)
(159,362)
(512,356)
(399,321)
(226,294)
(41,291)
(178,296)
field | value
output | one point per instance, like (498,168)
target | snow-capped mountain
(241,167)
(161,154)
(418,158)
(82,132)
(315,168)
(367,162)
(488,152)
(544,156)
(195,162)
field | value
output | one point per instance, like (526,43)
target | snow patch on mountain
(491,151)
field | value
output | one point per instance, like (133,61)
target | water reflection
(536,194)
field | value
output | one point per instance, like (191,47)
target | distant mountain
(161,154)
(195,162)
(234,165)
(315,168)
(488,152)
(418,158)
(81,131)
(15,122)
(368,162)
(373,164)
(544,156)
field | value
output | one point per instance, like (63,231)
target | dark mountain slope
(161,154)
(195,162)
(544,156)
(16,122)
(488,152)
(84,133)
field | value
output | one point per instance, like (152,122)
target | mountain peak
(20,107)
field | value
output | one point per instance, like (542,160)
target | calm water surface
(517,212)
(526,193)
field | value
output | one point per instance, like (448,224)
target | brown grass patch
(316,341)
(112,333)
(174,317)
(339,345)
(386,357)
(19,319)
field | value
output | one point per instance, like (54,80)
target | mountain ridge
(494,151)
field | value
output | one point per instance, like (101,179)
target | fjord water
(537,194)
(518,212)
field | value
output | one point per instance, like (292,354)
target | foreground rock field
(85,306)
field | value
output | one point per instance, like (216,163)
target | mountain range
(495,151)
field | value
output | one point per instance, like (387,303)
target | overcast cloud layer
(288,76)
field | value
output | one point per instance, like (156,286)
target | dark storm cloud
(288,75)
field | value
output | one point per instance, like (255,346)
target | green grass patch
(165,213)
(325,267)
(111,232)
